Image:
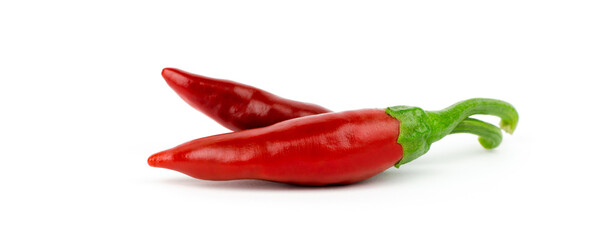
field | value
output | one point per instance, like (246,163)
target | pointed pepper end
(167,71)
(159,159)
(177,79)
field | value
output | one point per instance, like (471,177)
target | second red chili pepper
(234,105)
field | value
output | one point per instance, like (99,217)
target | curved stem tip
(489,135)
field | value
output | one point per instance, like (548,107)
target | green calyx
(414,131)
(419,128)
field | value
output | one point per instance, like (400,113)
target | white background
(83,105)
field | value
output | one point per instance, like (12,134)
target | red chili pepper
(333,148)
(234,105)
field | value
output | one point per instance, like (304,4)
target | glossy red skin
(324,149)
(234,105)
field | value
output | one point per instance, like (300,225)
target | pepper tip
(156,160)
(152,161)
(167,71)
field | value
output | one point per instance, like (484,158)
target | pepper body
(332,148)
(234,105)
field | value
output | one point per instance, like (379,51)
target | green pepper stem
(419,128)
(489,136)
(444,121)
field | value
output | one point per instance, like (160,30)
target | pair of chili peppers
(300,143)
